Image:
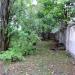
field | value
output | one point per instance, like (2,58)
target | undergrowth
(21,44)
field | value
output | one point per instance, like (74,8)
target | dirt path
(45,62)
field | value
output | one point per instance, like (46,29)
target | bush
(21,44)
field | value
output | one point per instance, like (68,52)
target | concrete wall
(70,40)
(60,36)
(67,37)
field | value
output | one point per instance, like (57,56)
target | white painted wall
(67,38)
(70,40)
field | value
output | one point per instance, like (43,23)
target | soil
(44,62)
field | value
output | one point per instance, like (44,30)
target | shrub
(21,44)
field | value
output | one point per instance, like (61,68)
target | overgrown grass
(45,61)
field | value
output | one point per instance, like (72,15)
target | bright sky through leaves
(34,2)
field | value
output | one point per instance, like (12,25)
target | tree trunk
(4,11)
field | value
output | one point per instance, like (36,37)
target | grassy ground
(44,62)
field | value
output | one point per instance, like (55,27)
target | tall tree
(4,15)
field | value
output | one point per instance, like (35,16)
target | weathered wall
(60,36)
(67,37)
(70,39)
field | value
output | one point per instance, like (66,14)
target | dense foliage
(27,20)
(21,33)
(52,13)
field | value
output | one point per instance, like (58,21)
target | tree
(52,13)
(4,11)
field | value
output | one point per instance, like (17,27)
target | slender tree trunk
(4,11)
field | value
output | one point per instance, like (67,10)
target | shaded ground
(45,62)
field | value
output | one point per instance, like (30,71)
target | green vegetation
(21,33)
(26,21)
(52,13)
(45,62)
